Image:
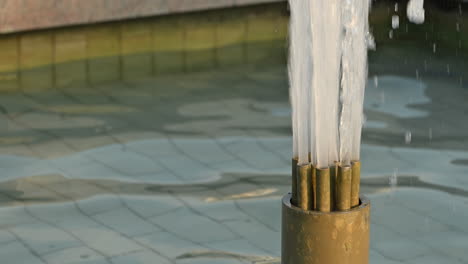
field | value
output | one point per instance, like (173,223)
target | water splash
(354,77)
(408,137)
(415,11)
(300,69)
(395,21)
(328,51)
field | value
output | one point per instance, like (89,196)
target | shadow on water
(231,186)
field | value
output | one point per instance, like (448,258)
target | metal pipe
(355,182)
(304,187)
(323,190)
(294,181)
(333,175)
(343,188)
(312,237)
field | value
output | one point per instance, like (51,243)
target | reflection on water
(152,167)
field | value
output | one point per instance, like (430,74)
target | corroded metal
(294,182)
(355,183)
(311,237)
(324,192)
(304,187)
(343,188)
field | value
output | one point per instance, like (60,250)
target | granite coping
(26,15)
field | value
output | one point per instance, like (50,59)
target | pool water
(183,155)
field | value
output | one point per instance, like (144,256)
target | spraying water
(415,11)
(326,56)
(328,73)
(300,74)
(354,77)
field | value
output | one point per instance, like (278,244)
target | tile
(433,259)
(201,229)
(6,237)
(100,204)
(74,255)
(12,216)
(169,245)
(103,50)
(106,241)
(125,222)
(148,207)
(169,38)
(402,249)
(199,42)
(204,150)
(128,162)
(36,60)
(9,58)
(16,253)
(70,57)
(143,257)
(43,238)
(240,247)
(269,241)
(137,42)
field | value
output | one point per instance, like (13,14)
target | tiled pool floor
(191,169)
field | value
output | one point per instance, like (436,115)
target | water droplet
(376,81)
(393,179)
(370,41)
(396,7)
(458,27)
(390,34)
(395,21)
(408,137)
(434,47)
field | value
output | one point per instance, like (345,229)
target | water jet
(325,219)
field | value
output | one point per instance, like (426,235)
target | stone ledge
(27,15)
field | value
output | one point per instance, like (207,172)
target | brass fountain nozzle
(324,218)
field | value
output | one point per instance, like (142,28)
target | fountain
(325,220)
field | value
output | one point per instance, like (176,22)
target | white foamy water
(415,11)
(328,73)
(354,77)
(300,75)
(395,21)
(326,56)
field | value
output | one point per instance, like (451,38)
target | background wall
(16,15)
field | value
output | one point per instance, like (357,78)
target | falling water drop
(395,21)
(370,41)
(458,27)
(408,137)
(393,179)
(390,34)
(415,11)
(396,7)
(376,81)
(434,47)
